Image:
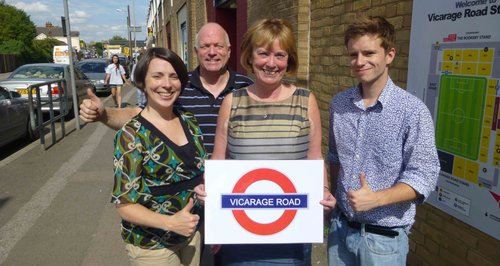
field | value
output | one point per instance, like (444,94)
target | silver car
(29,74)
(14,117)
(95,69)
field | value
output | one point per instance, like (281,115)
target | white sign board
(454,67)
(263,201)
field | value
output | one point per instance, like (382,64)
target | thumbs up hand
(91,109)
(184,222)
(363,199)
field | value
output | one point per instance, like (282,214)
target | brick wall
(289,10)
(170,17)
(198,17)
(437,238)
(329,67)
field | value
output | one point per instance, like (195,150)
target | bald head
(212,29)
(212,49)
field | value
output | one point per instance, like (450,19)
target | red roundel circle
(264,228)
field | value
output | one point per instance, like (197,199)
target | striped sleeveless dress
(269,131)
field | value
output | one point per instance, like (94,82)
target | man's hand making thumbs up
(363,199)
(91,109)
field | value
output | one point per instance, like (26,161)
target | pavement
(55,204)
(4,76)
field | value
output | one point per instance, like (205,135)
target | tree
(17,31)
(42,50)
(118,38)
(99,47)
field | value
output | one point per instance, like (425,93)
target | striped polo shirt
(204,105)
(269,130)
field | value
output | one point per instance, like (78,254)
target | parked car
(95,69)
(125,62)
(14,117)
(26,75)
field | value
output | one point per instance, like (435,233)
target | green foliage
(11,47)
(42,50)
(99,47)
(118,38)
(17,30)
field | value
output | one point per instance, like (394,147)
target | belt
(174,188)
(370,228)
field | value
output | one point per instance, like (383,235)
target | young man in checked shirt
(382,154)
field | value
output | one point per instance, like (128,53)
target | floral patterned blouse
(151,170)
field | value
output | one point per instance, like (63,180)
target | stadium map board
(454,67)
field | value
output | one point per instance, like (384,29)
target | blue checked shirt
(391,142)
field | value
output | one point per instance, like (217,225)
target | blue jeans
(348,246)
(141,98)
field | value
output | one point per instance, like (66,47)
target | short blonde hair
(263,34)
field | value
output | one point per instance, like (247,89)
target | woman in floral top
(158,160)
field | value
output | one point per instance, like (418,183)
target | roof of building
(54,31)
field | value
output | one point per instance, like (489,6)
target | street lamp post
(71,66)
(129,35)
(133,21)
(129,28)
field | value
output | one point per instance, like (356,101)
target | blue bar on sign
(259,201)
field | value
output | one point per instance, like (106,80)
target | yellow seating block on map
(459,167)
(490,105)
(496,154)
(448,55)
(485,138)
(486,56)
(469,68)
(471,55)
(488,121)
(483,155)
(484,69)
(457,68)
(492,84)
(458,55)
(447,66)
(472,171)
(496,151)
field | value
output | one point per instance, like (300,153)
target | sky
(96,20)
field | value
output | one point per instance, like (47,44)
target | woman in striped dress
(269,120)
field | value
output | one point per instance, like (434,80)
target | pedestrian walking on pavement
(115,78)
(158,160)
